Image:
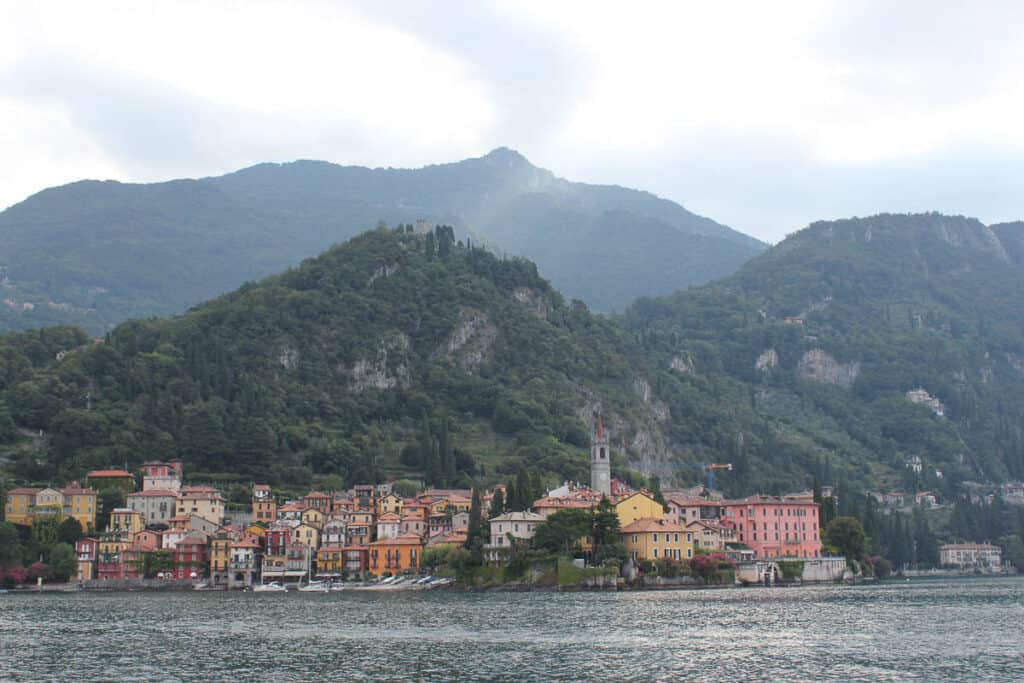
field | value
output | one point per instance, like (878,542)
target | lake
(925,629)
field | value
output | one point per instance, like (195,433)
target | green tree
(109,498)
(10,544)
(497,504)
(562,530)
(69,531)
(846,536)
(474,535)
(63,561)
(604,533)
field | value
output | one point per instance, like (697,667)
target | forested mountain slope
(94,253)
(393,354)
(825,335)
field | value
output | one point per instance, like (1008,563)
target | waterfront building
(105,479)
(204,501)
(971,556)
(220,557)
(638,505)
(85,550)
(27,505)
(600,462)
(774,527)
(162,476)
(245,562)
(190,556)
(507,530)
(355,561)
(396,555)
(156,506)
(656,539)
(264,507)
(329,562)
(455,538)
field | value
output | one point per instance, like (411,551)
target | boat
(272,587)
(315,587)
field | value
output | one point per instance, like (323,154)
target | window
(655,536)
(655,552)
(634,538)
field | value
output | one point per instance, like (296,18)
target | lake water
(928,630)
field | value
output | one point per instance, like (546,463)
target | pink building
(774,527)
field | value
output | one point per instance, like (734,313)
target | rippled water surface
(929,630)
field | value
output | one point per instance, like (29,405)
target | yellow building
(49,505)
(657,539)
(306,535)
(126,521)
(21,503)
(220,554)
(330,561)
(81,503)
(204,501)
(637,506)
(390,504)
(312,517)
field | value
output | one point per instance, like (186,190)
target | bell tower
(600,462)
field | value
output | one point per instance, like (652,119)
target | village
(173,532)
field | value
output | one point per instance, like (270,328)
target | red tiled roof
(649,524)
(23,492)
(388,517)
(403,539)
(165,493)
(108,473)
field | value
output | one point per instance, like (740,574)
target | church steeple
(600,461)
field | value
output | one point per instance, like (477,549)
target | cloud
(764,116)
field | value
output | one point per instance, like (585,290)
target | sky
(762,116)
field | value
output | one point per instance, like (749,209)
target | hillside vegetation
(401,354)
(395,353)
(824,335)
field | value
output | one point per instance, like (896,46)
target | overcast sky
(764,116)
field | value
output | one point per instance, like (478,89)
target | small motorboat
(315,587)
(272,587)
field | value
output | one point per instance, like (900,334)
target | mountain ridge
(93,253)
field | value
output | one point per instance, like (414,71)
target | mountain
(853,347)
(94,253)
(393,354)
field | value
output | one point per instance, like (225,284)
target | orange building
(396,555)
(264,507)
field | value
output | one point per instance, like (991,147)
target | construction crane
(709,470)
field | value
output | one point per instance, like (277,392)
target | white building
(156,505)
(508,528)
(971,556)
